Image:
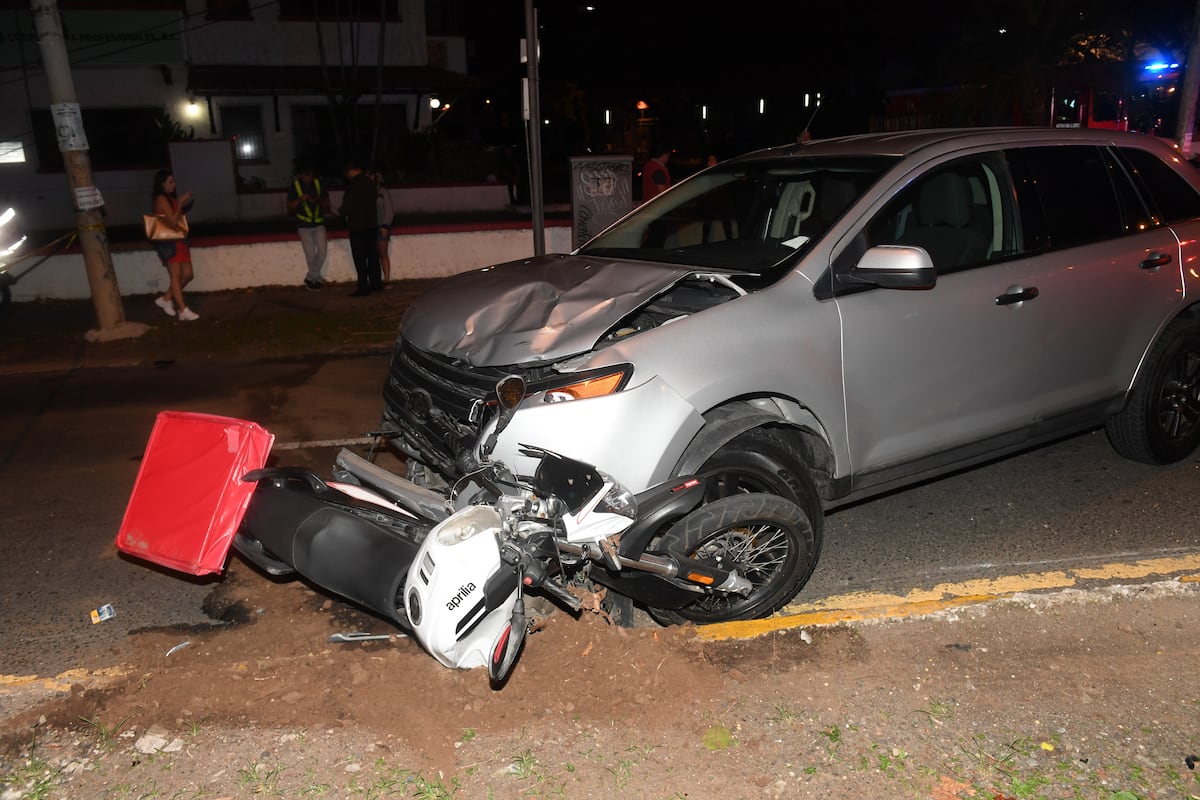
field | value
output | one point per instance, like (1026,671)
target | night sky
(678,56)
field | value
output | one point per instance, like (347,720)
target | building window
(244,125)
(338,9)
(228,9)
(12,153)
(118,138)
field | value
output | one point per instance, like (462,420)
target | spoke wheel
(761,461)
(763,537)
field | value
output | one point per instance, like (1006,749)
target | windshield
(750,216)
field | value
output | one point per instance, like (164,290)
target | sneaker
(187,315)
(168,306)
(312,285)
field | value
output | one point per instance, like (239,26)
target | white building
(245,79)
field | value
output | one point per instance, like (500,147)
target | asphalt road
(71,443)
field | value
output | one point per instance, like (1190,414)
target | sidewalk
(242,325)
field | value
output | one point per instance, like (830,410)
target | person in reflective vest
(308,202)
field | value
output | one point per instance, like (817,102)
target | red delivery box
(189,497)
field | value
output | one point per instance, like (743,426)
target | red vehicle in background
(1123,96)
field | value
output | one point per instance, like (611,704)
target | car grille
(430,398)
(452,386)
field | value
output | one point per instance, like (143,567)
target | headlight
(590,384)
(464,524)
(618,499)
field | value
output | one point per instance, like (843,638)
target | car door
(929,371)
(1109,274)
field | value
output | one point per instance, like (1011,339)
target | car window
(958,213)
(1174,198)
(758,217)
(1083,196)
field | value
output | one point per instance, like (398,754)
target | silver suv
(831,320)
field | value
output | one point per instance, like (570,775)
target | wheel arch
(788,420)
(1189,313)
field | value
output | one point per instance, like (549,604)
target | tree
(1014,50)
(1191,87)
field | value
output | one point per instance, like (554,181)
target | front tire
(1160,423)
(764,537)
(761,460)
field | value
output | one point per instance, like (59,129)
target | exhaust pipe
(686,569)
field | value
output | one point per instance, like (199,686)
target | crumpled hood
(539,309)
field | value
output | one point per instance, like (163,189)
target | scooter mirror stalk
(510,391)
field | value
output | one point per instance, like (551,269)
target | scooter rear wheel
(762,536)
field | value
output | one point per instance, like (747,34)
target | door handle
(1155,260)
(1020,296)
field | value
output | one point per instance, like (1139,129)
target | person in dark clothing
(358,209)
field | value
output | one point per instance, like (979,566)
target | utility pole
(533,118)
(85,197)
(1191,88)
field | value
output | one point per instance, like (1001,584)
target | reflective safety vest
(309,212)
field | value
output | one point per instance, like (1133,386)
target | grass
(107,734)
(261,779)
(942,751)
(782,714)
(35,780)
(523,765)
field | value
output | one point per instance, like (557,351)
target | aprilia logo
(457,600)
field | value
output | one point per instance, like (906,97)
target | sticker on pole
(87,198)
(68,126)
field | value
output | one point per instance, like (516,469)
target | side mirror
(890,266)
(510,391)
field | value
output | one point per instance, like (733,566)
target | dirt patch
(1076,696)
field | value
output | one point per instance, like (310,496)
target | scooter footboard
(296,522)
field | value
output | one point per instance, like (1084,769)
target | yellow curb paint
(1142,569)
(861,606)
(983,586)
(747,629)
(63,681)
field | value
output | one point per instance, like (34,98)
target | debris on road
(178,647)
(363,637)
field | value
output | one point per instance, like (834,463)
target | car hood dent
(540,309)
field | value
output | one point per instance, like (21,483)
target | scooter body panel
(460,594)
(333,540)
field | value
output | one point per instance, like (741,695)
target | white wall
(272,204)
(433,255)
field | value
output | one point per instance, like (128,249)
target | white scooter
(570,523)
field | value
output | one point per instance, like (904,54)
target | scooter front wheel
(764,537)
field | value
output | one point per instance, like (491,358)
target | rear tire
(764,537)
(1160,423)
